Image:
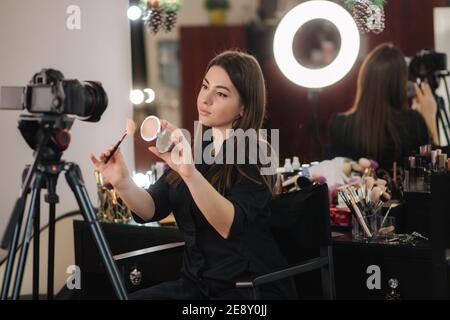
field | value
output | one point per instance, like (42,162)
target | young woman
(380,125)
(221,209)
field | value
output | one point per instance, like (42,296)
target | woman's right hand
(115,171)
(427,107)
(425,101)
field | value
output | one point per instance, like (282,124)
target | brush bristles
(131,127)
(375,194)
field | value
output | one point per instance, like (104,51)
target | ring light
(293,21)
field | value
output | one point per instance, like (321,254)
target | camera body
(49,93)
(427,65)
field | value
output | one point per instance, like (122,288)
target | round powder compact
(151,130)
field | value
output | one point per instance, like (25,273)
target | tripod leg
(34,205)
(440,120)
(19,207)
(18,210)
(51,252)
(52,198)
(36,247)
(446,124)
(10,262)
(76,183)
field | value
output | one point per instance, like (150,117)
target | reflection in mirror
(317,44)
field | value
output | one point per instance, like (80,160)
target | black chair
(300,223)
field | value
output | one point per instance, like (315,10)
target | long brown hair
(381,89)
(246,75)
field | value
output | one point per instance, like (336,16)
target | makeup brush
(364,163)
(368,185)
(387,213)
(381,182)
(131,127)
(375,194)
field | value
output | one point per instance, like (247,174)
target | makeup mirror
(151,131)
(150,128)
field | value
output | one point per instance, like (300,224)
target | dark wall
(409,25)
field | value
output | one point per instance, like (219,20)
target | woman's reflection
(317,44)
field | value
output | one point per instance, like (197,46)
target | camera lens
(96,100)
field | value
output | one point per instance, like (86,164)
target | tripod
(442,116)
(53,135)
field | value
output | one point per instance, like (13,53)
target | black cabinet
(154,268)
(422,270)
(412,266)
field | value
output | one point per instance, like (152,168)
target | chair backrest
(300,222)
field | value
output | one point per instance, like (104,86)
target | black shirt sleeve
(159,191)
(250,199)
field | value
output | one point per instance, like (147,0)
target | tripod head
(35,128)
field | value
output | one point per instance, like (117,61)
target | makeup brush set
(365,199)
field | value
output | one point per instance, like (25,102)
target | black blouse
(411,127)
(212,262)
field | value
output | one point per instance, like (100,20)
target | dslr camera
(49,93)
(429,65)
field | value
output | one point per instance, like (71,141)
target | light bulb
(134,13)
(137,96)
(151,95)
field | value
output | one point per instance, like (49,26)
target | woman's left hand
(180,158)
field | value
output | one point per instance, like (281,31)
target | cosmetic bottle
(442,162)
(406,173)
(412,168)
(288,166)
(296,164)
(434,161)
(420,172)
(305,170)
(288,169)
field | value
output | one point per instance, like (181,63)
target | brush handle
(385,216)
(115,148)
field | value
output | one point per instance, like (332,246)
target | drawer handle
(135,277)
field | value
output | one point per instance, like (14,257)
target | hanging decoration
(161,14)
(368,14)
(170,7)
